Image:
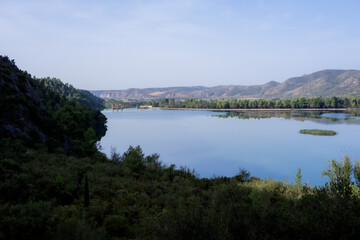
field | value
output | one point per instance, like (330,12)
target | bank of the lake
(256,109)
(266,145)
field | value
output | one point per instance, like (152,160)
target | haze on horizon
(100,45)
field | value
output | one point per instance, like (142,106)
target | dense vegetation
(33,112)
(131,196)
(112,103)
(318,132)
(78,95)
(49,190)
(303,103)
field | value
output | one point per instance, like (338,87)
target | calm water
(212,143)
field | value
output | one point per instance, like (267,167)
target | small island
(318,132)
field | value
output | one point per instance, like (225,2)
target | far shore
(255,109)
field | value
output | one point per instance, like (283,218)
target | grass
(318,132)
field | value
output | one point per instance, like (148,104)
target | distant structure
(116,107)
(143,107)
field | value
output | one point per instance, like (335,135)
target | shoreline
(255,109)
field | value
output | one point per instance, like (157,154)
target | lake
(267,144)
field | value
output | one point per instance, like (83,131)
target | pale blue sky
(125,44)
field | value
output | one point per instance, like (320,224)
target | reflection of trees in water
(315,116)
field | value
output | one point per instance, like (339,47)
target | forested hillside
(33,112)
(78,95)
(55,184)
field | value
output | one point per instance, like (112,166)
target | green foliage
(297,103)
(45,111)
(318,132)
(134,196)
(86,193)
(81,96)
(339,174)
(357,172)
(298,178)
(88,146)
(133,161)
(243,175)
(118,104)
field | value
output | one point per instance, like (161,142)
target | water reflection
(269,147)
(323,117)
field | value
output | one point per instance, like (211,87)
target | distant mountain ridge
(325,83)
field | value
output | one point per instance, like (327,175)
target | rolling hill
(324,83)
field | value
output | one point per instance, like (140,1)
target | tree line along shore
(255,109)
(313,103)
(301,103)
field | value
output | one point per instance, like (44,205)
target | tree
(339,174)
(295,103)
(286,103)
(302,102)
(346,103)
(88,145)
(315,102)
(356,171)
(278,104)
(298,178)
(86,193)
(233,104)
(334,102)
(243,175)
(133,160)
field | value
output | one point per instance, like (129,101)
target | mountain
(232,91)
(324,83)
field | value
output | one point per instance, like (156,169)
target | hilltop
(326,83)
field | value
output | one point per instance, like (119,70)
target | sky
(101,45)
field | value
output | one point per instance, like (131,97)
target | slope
(326,83)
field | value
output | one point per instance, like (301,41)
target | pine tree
(298,178)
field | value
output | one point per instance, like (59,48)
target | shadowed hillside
(32,111)
(78,95)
